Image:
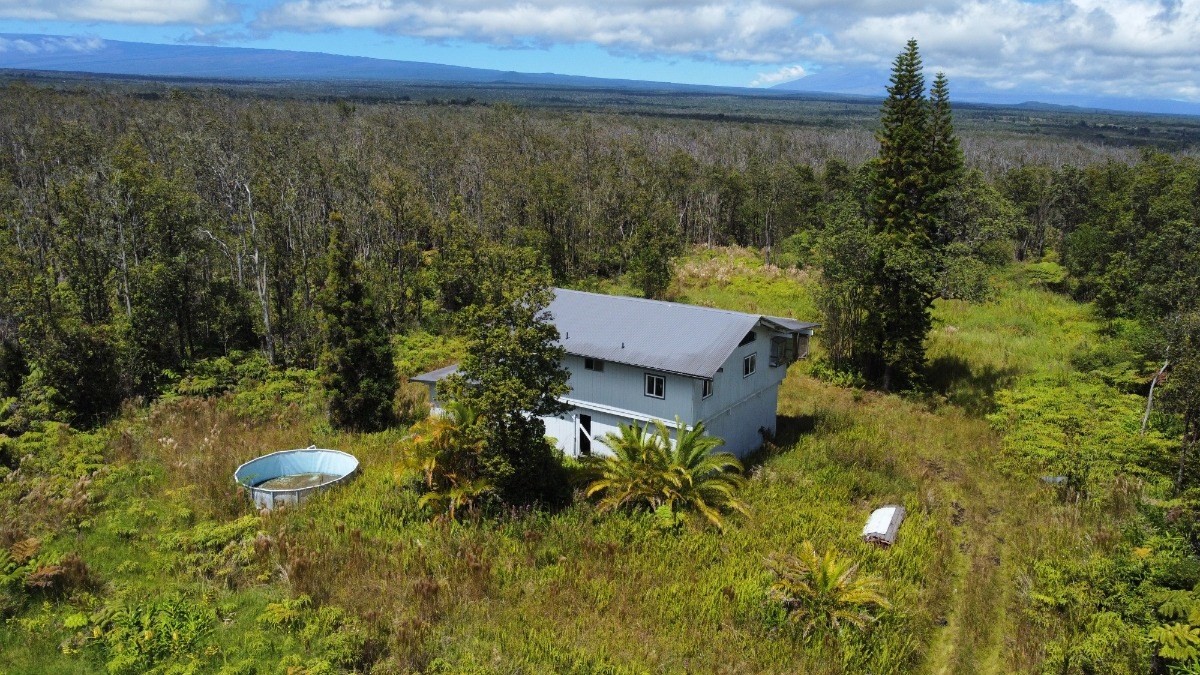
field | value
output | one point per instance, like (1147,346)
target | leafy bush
(281,393)
(1078,427)
(446,450)
(134,635)
(332,639)
(228,552)
(60,476)
(216,376)
(964,277)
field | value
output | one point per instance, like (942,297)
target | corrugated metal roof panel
(436,375)
(668,336)
(792,324)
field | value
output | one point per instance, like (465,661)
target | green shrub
(134,635)
(231,553)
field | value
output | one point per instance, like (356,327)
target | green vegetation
(446,450)
(363,578)
(824,592)
(356,362)
(512,375)
(669,474)
(182,294)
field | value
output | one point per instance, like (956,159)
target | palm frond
(824,591)
(649,469)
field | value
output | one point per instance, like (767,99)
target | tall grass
(975,349)
(576,590)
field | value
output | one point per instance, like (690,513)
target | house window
(750,337)
(656,386)
(749,364)
(706,389)
(593,364)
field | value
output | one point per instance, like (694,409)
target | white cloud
(201,12)
(784,74)
(50,45)
(724,30)
(1144,48)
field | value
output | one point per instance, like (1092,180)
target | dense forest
(150,234)
(184,271)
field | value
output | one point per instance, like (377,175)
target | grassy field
(182,576)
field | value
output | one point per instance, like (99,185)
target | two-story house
(632,359)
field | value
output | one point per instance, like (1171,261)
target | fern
(1177,605)
(1177,641)
(286,614)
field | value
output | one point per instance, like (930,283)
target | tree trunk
(1150,396)
(260,280)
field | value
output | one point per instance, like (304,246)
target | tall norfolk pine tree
(902,181)
(919,165)
(356,360)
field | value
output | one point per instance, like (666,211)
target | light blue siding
(739,426)
(624,388)
(730,387)
(737,410)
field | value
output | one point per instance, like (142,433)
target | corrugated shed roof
(668,336)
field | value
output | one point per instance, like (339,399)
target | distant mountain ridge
(115,57)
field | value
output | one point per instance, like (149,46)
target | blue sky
(1128,48)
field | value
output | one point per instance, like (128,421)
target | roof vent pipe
(622,345)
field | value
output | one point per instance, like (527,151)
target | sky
(1128,48)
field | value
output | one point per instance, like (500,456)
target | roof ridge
(669,302)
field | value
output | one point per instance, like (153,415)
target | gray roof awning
(794,325)
(435,376)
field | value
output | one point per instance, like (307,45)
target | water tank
(288,477)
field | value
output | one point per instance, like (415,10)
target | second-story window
(593,364)
(749,365)
(706,389)
(656,386)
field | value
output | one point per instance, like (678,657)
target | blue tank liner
(311,460)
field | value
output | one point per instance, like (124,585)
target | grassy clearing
(976,349)
(362,578)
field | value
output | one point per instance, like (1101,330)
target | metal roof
(435,375)
(792,324)
(668,336)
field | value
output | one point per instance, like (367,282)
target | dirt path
(972,639)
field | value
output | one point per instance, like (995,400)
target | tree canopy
(513,375)
(356,360)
